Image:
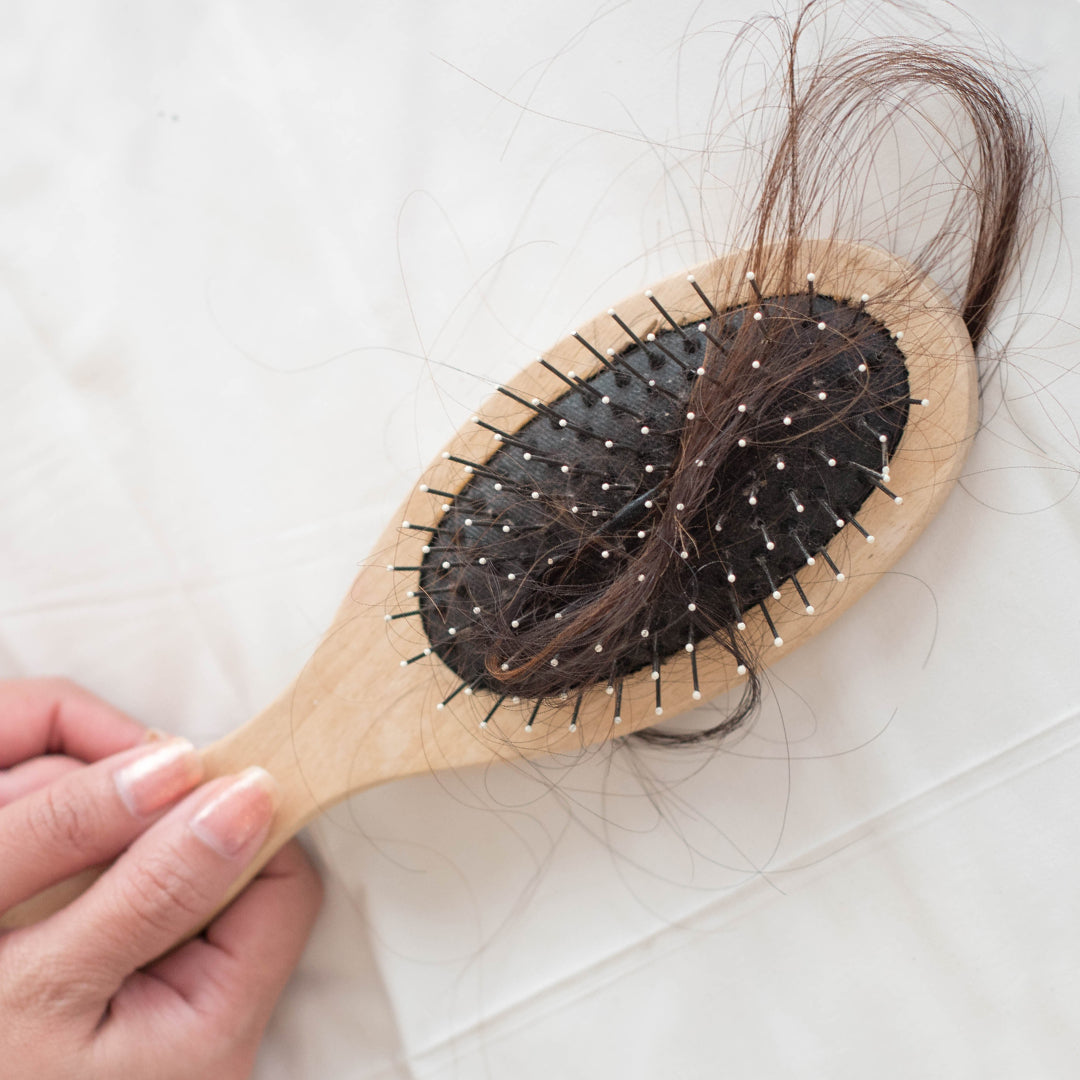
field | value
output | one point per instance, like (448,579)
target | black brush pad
(530,559)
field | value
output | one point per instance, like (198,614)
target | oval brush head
(688,486)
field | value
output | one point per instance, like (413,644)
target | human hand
(88,992)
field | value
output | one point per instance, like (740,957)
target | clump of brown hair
(562,565)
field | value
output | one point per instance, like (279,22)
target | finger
(248,953)
(89,816)
(167,885)
(33,775)
(50,716)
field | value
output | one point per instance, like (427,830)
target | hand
(89,992)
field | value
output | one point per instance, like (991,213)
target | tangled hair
(600,539)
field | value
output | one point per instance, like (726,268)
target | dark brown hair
(589,603)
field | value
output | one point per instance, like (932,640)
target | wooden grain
(354,717)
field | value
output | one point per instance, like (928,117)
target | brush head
(684,491)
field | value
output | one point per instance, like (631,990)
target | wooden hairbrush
(377,701)
(679,493)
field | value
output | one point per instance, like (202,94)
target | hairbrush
(679,493)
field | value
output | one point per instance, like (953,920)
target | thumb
(168,883)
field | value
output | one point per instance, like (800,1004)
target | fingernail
(234,818)
(153,735)
(159,777)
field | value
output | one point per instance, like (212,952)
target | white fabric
(258,261)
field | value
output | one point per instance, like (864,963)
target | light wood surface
(354,717)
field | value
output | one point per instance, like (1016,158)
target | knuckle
(162,886)
(36,982)
(59,821)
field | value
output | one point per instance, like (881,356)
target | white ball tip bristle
(778,641)
(689,646)
(691,416)
(554,661)
(656,676)
(389,566)
(691,278)
(821,326)
(809,277)
(659,710)
(749,275)
(645,430)
(758,316)
(731,579)
(864,297)
(841,576)
(740,625)
(404,663)
(740,669)
(617,720)
(573,728)
(810,560)
(781,466)
(777,594)
(483,724)
(809,609)
(691,607)
(598,648)
(648,294)
(925,402)
(388,618)
(898,499)
(870,539)
(440,707)
(611,311)
(755,364)
(696,695)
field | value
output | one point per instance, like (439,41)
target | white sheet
(258,260)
